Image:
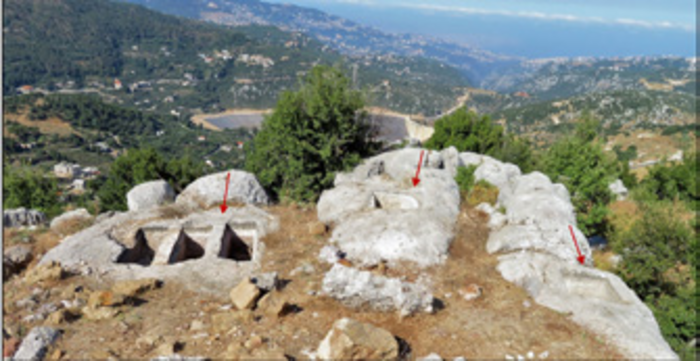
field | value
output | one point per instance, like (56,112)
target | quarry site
(379,268)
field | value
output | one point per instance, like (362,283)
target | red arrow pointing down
(581,258)
(415,179)
(223,206)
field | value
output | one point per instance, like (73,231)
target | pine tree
(312,134)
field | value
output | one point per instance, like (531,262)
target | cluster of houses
(256,59)
(75,174)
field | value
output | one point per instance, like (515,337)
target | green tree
(659,254)
(136,166)
(466,131)
(312,134)
(675,181)
(581,164)
(653,245)
(143,165)
(469,132)
(26,188)
(183,171)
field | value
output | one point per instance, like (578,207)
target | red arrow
(581,258)
(223,206)
(415,179)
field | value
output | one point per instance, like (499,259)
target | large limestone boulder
(380,215)
(149,195)
(356,288)
(70,217)
(208,191)
(205,251)
(619,190)
(393,236)
(22,217)
(538,214)
(596,299)
(541,257)
(352,340)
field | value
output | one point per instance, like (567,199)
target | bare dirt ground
(504,320)
(50,125)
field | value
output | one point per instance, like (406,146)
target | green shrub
(475,192)
(138,166)
(675,181)
(677,318)
(312,133)
(465,178)
(581,164)
(658,253)
(30,189)
(469,132)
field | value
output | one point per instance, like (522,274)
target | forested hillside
(129,54)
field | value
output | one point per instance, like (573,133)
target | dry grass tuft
(483,192)
(73,226)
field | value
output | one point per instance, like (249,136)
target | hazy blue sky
(535,28)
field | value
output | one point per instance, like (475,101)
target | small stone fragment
(106,299)
(266,281)
(432,357)
(15,259)
(99,313)
(168,348)
(352,340)
(471,292)
(133,288)
(149,341)
(253,342)
(35,345)
(275,305)
(196,325)
(244,295)
(59,317)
